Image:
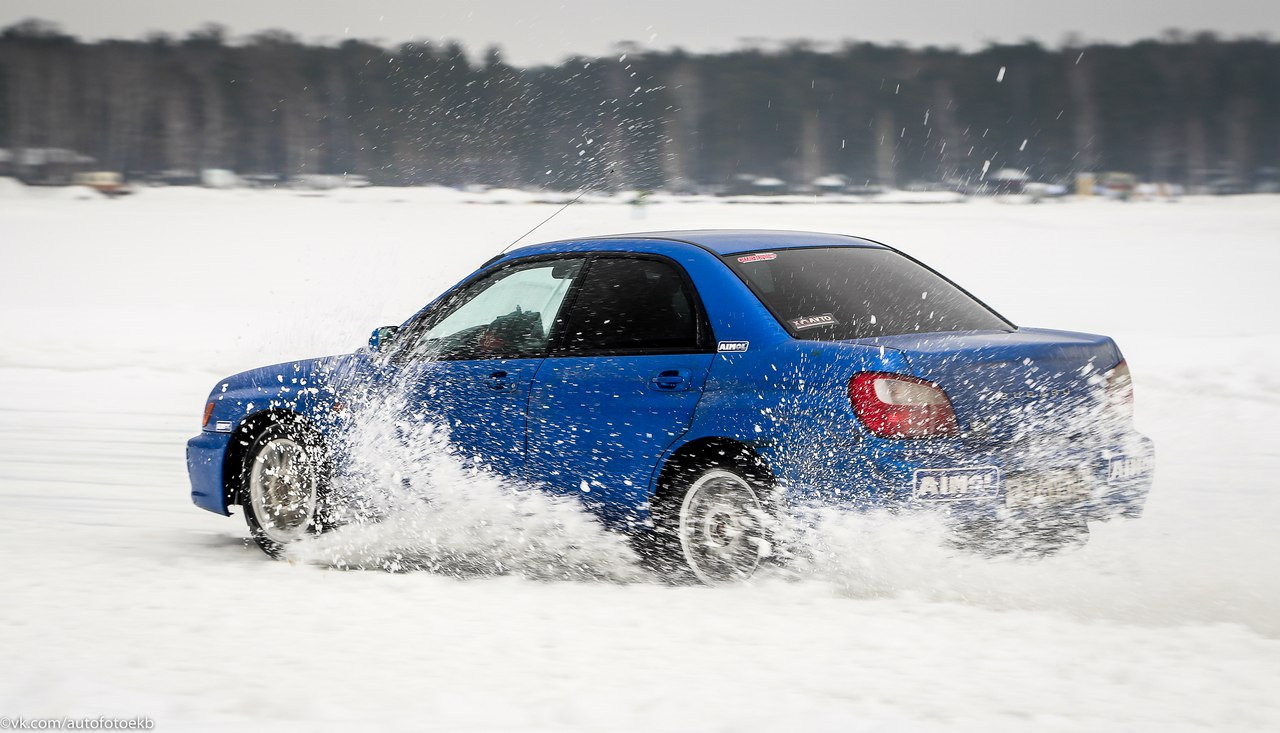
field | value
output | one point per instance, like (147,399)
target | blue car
(691,388)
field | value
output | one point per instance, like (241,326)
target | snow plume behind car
(403,499)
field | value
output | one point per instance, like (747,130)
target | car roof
(718,241)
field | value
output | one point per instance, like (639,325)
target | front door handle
(671,380)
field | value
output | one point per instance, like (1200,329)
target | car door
(620,383)
(468,363)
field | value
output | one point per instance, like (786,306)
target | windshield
(837,293)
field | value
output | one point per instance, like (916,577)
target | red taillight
(208,413)
(898,406)
(1119,386)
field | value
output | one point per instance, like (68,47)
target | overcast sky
(534,31)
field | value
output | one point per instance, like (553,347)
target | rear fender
(789,404)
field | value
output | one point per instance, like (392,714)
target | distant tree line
(1183,109)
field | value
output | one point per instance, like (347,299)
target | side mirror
(382,338)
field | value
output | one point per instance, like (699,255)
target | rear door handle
(501,381)
(671,380)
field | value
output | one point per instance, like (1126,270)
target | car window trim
(451,301)
(706,334)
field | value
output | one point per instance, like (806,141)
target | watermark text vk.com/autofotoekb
(9,722)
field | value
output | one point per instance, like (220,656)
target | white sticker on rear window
(760,257)
(825,319)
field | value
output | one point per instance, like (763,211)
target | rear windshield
(836,293)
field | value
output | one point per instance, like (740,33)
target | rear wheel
(282,485)
(712,525)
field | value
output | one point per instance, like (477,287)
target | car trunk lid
(1004,385)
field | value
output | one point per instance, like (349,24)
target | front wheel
(281,487)
(713,525)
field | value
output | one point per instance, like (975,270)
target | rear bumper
(1103,479)
(1122,490)
(205,455)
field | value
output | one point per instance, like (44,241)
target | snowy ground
(120,598)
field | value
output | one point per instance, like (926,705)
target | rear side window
(836,293)
(629,305)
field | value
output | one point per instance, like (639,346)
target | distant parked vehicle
(831,184)
(1117,185)
(110,183)
(220,178)
(1008,181)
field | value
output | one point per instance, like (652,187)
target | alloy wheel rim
(720,528)
(282,490)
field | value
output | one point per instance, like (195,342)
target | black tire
(283,484)
(711,525)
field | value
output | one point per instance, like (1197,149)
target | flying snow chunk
(1000,75)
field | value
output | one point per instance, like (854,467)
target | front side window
(506,315)
(837,293)
(633,305)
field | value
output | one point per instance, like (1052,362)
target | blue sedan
(692,387)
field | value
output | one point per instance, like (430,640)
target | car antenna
(556,213)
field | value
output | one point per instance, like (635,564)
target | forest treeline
(1183,108)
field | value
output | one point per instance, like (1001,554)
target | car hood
(305,386)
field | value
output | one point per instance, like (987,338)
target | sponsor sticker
(222,426)
(807,322)
(956,484)
(759,257)
(733,347)
(1127,468)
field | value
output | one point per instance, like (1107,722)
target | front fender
(309,388)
